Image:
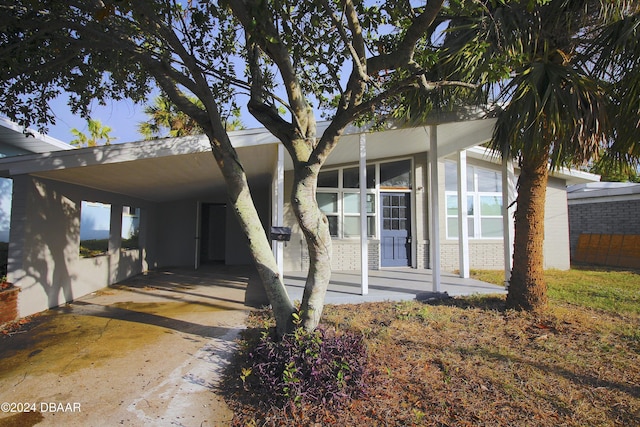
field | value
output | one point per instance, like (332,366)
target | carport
(181,193)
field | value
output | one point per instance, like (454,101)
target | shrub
(307,367)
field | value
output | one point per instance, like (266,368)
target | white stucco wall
(44,258)
(556,226)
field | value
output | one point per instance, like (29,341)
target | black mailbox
(281,234)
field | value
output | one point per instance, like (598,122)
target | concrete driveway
(148,351)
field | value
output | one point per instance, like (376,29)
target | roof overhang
(571,176)
(158,171)
(450,137)
(178,168)
(28,140)
(601,192)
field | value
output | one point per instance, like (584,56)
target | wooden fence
(615,250)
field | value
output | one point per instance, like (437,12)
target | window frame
(96,246)
(341,214)
(476,216)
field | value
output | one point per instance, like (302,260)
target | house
(604,223)
(15,141)
(164,204)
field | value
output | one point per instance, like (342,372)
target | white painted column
(364,240)
(115,241)
(463,224)
(277,208)
(508,208)
(434,246)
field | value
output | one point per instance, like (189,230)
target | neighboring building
(604,223)
(170,197)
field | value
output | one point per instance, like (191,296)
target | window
(130,228)
(338,195)
(395,175)
(95,226)
(484,202)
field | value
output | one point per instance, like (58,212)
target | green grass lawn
(612,291)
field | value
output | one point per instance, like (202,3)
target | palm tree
(99,134)
(567,76)
(562,107)
(166,120)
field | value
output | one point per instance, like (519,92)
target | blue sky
(122,116)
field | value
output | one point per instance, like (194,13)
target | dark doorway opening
(213,233)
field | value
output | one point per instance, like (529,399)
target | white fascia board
(571,176)
(605,194)
(574,176)
(130,151)
(106,154)
(45,143)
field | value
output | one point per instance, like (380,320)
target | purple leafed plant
(312,367)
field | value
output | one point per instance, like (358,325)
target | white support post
(434,247)
(508,209)
(364,240)
(277,208)
(463,224)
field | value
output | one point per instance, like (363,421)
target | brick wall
(612,217)
(482,255)
(374,254)
(422,256)
(9,305)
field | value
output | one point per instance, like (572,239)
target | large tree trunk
(259,246)
(527,287)
(315,228)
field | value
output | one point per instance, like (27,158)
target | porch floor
(396,284)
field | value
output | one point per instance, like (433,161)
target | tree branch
(403,54)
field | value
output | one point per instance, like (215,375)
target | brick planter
(8,303)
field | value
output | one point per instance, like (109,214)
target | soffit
(31,141)
(167,178)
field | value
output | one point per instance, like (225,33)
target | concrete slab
(150,350)
(398,284)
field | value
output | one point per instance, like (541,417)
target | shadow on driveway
(147,351)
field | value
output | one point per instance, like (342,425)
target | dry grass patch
(468,362)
